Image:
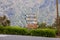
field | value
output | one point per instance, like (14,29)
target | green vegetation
(47,32)
(44,25)
(43,32)
(41,25)
(4,21)
(13,30)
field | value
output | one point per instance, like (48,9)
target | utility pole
(57,13)
(57,9)
(58,28)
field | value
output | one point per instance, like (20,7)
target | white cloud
(24,6)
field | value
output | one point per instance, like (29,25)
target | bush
(1,29)
(23,31)
(13,30)
(43,32)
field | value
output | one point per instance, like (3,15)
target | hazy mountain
(17,9)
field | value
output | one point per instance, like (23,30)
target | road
(19,37)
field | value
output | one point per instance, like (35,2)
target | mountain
(16,10)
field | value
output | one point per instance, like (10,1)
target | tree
(4,21)
(41,25)
(55,23)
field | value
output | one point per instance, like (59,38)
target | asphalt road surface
(19,37)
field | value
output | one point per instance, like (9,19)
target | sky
(16,10)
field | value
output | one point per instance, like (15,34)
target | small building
(31,20)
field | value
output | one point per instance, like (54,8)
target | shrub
(1,29)
(43,32)
(13,30)
(23,31)
(18,31)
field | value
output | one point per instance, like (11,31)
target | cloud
(43,8)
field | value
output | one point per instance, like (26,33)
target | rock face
(16,10)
